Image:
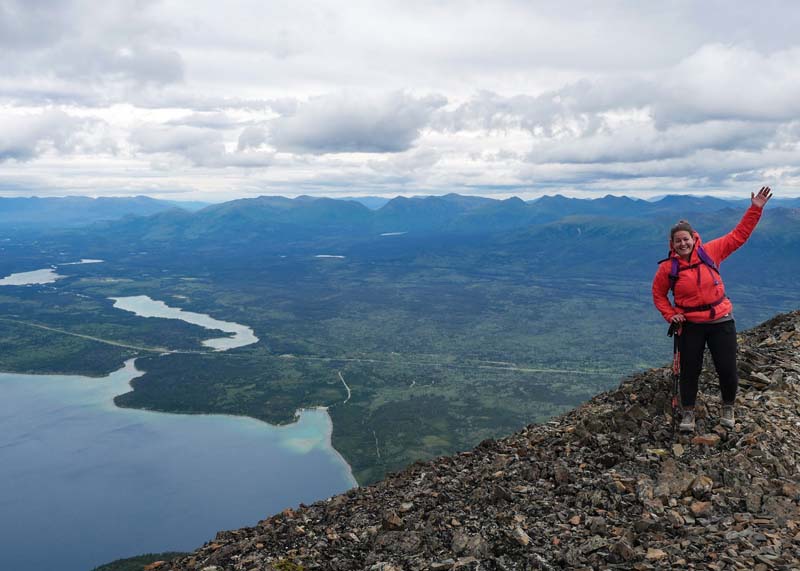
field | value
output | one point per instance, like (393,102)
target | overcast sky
(209,100)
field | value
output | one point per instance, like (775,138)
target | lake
(144,306)
(44,276)
(83,482)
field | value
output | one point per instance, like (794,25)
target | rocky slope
(607,486)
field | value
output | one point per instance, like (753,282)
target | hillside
(606,486)
(29,214)
(275,221)
(486,316)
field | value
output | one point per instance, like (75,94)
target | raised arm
(722,247)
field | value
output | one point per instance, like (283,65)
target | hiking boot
(728,419)
(687,422)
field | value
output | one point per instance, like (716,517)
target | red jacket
(701,286)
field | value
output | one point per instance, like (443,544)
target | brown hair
(681,225)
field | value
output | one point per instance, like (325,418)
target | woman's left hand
(760,199)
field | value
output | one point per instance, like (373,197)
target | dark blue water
(83,482)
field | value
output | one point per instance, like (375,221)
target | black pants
(721,340)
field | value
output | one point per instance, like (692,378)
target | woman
(701,308)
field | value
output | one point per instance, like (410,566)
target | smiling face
(682,243)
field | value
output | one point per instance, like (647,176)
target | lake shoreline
(240,336)
(298,413)
(171,465)
(182,458)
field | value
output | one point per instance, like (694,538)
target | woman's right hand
(760,199)
(678,318)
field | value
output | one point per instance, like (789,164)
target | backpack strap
(676,269)
(673,271)
(706,259)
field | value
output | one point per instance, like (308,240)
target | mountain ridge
(72,211)
(605,486)
(270,222)
(427,214)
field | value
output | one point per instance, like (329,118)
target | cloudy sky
(209,100)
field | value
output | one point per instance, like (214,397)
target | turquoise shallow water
(83,482)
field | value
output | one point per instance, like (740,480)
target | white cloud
(731,82)
(353,122)
(26,136)
(92,51)
(252,136)
(207,119)
(388,96)
(406,164)
(31,25)
(195,143)
(201,146)
(638,141)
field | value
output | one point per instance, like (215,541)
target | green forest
(443,340)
